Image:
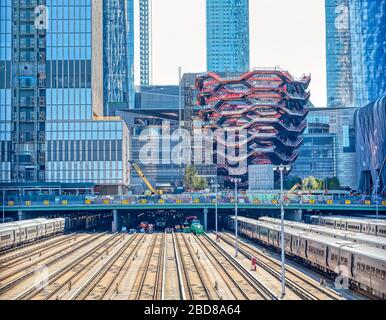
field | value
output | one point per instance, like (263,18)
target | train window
(378,273)
(383,274)
(372,270)
(367,269)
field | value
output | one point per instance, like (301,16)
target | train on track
(368,226)
(357,265)
(14,234)
(374,241)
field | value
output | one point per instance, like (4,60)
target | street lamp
(3,205)
(376,187)
(235,181)
(216,204)
(281,169)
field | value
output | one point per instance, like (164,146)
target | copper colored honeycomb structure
(269,104)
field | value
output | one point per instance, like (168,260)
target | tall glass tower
(130,51)
(227,35)
(368,37)
(63,64)
(116,66)
(5,89)
(338,45)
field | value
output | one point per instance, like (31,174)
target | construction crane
(295,187)
(145,179)
(291,192)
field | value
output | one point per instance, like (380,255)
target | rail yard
(140,266)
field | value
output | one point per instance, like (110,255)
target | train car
(381,229)
(375,241)
(33,230)
(197,229)
(362,265)
(369,269)
(369,226)
(329,222)
(50,227)
(30,230)
(7,237)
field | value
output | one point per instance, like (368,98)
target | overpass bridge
(190,206)
(202,205)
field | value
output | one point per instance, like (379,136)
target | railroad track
(194,280)
(13,277)
(239,280)
(69,274)
(301,284)
(148,283)
(180,272)
(18,257)
(28,244)
(106,278)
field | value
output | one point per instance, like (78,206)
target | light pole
(216,205)
(376,196)
(3,205)
(377,186)
(235,181)
(281,169)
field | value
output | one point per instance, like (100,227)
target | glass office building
(116,72)
(317,157)
(53,100)
(5,89)
(227,35)
(371,146)
(338,53)
(368,34)
(130,51)
(329,148)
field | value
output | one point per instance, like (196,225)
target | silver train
(13,234)
(374,241)
(363,266)
(368,226)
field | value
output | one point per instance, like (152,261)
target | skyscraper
(356,51)
(65,75)
(338,45)
(130,51)
(227,35)
(368,37)
(117,69)
(145,26)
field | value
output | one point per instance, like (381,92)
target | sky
(286,33)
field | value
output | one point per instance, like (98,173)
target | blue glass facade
(368,36)
(51,129)
(338,46)
(69,57)
(116,67)
(317,157)
(5,89)
(371,146)
(227,35)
